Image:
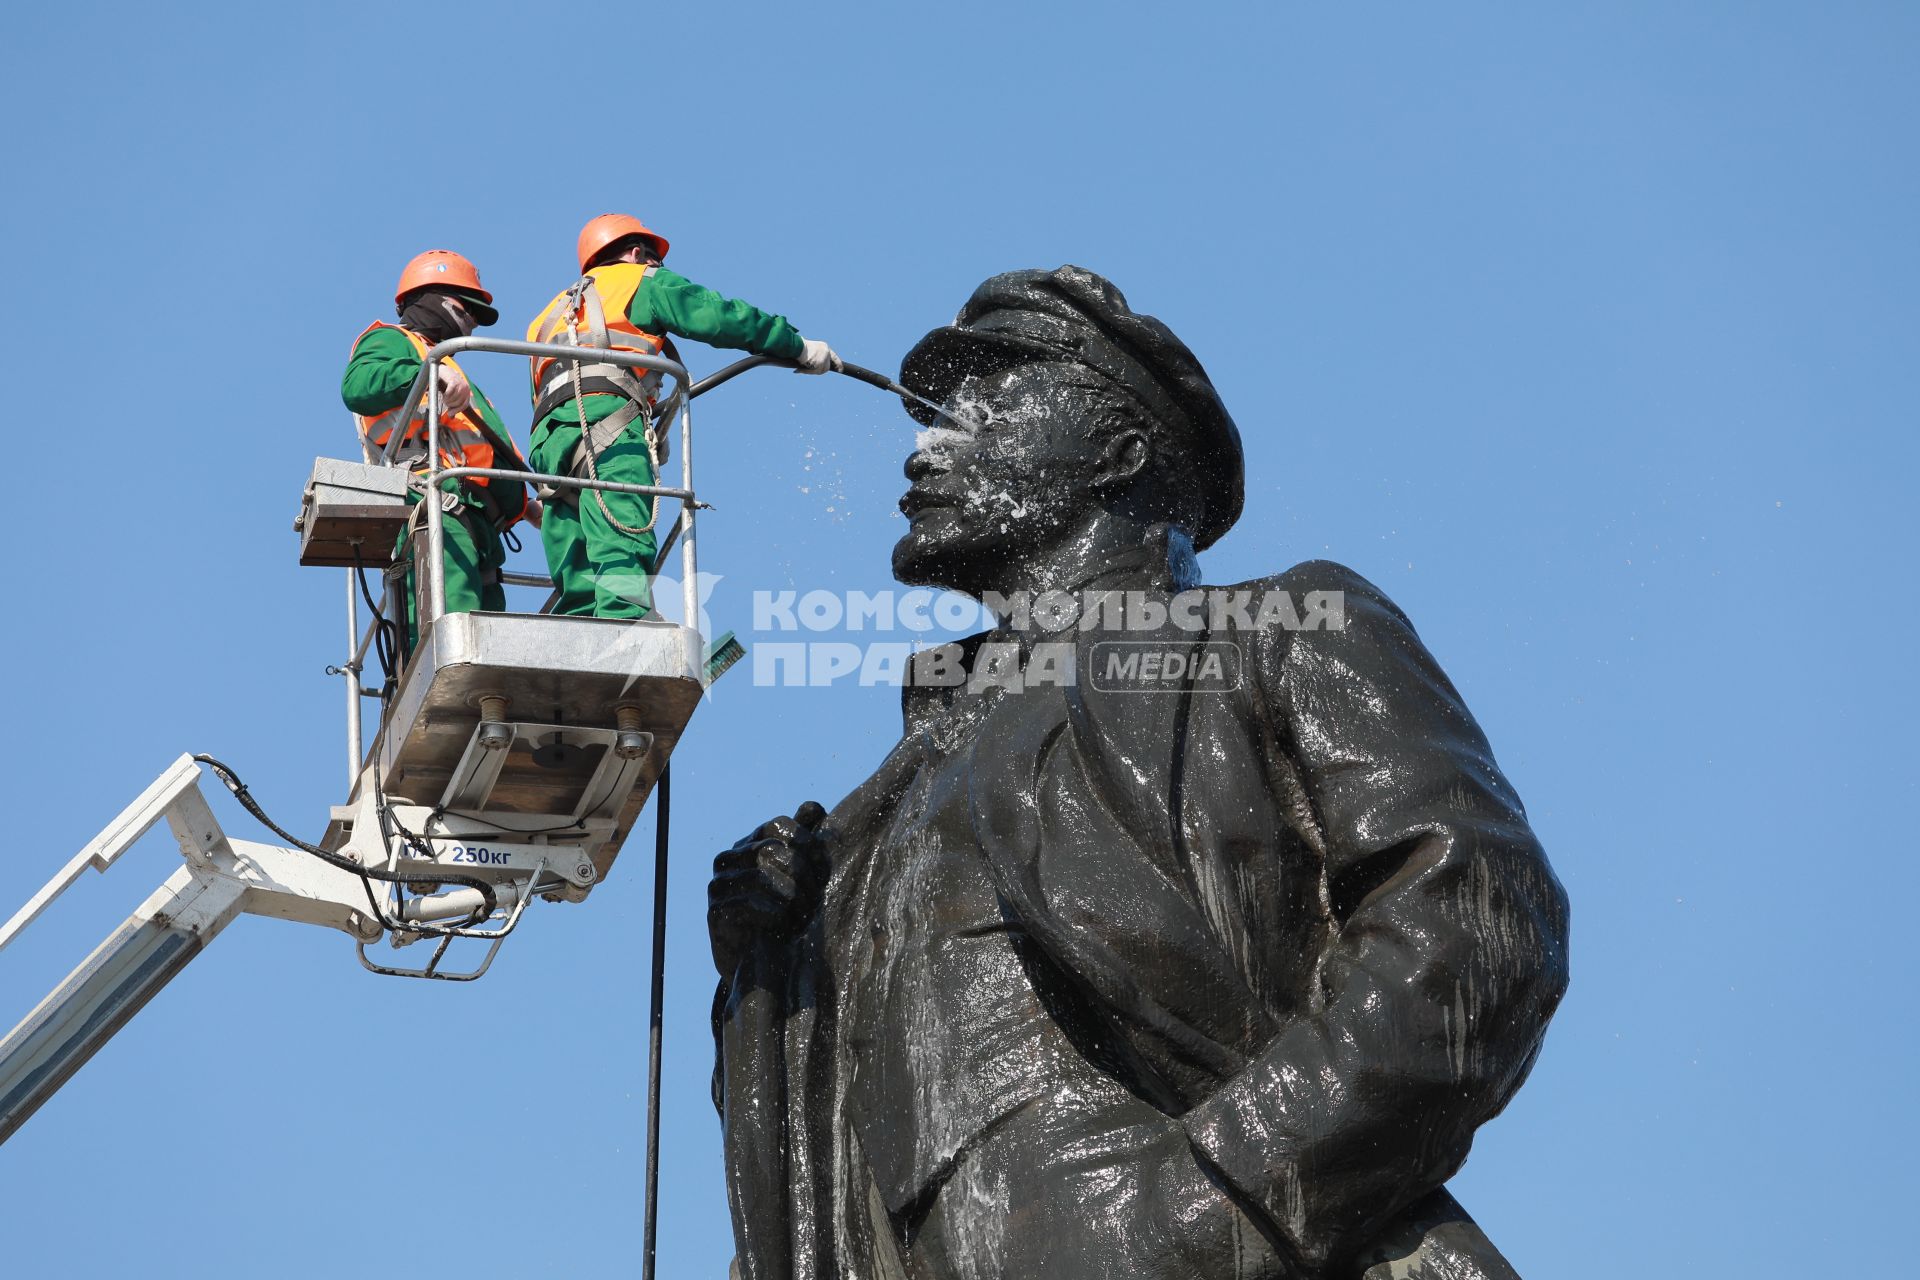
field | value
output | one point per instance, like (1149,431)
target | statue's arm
(1449,953)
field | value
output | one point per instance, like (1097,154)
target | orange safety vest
(593,313)
(463,440)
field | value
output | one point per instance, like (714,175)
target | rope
(592,459)
(576,301)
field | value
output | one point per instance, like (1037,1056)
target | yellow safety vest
(592,312)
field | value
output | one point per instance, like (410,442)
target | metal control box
(351,507)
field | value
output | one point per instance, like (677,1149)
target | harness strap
(596,378)
(567,379)
(604,432)
(607,430)
(631,383)
(559,325)
(452,425)
(557,393)
(593,442)
(596,313)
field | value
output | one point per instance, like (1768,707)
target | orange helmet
(442,267)
(609,227)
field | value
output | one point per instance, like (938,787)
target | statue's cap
(1071,314)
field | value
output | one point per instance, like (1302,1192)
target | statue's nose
(920,465)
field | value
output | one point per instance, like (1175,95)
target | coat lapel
(1074,795)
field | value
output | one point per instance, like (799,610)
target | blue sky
(1587,331)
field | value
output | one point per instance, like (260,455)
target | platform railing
(679,402)
(431,604)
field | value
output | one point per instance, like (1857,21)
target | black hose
(383,638)
(239,789)
(655,1001)
(729,373)
(873,379)
(738,367)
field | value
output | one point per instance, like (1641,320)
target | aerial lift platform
(511,759)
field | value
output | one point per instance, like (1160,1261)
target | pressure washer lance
(854,371)
(885,383)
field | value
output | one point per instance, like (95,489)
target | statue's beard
(922,562)
(969,557)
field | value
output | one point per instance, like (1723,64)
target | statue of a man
(1150,968)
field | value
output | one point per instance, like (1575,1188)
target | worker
(440,297)
(601,546)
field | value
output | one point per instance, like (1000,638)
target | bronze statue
(1125,962)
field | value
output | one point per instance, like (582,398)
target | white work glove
(817,357)
(532,515)
(455,394)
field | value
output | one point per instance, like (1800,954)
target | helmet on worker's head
(610,229)
(441,268)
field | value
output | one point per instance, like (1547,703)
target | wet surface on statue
(977,1111)
(1214,977)
(946,1033)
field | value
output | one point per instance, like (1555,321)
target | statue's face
(994,493)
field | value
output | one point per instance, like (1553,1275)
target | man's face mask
(440,315)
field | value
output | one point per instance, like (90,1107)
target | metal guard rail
(434,603)
(679,402)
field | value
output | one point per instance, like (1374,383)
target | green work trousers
(600,571)
(473,558)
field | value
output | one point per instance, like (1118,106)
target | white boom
(222,878)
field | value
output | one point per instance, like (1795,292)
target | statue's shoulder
(1311,575)
(1318,605)
(1320,583)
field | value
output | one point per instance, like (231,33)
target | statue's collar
(1162,562)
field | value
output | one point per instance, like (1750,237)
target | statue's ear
(1123,457)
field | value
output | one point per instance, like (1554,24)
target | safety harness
(579,320)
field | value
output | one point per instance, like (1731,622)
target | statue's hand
(767,885)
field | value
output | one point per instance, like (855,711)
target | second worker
(590,417)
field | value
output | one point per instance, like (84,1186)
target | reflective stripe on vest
(462,441)
(593,313)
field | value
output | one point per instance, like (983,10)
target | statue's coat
(1305,919)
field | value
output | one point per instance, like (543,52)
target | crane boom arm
(221,879)
(157,941)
